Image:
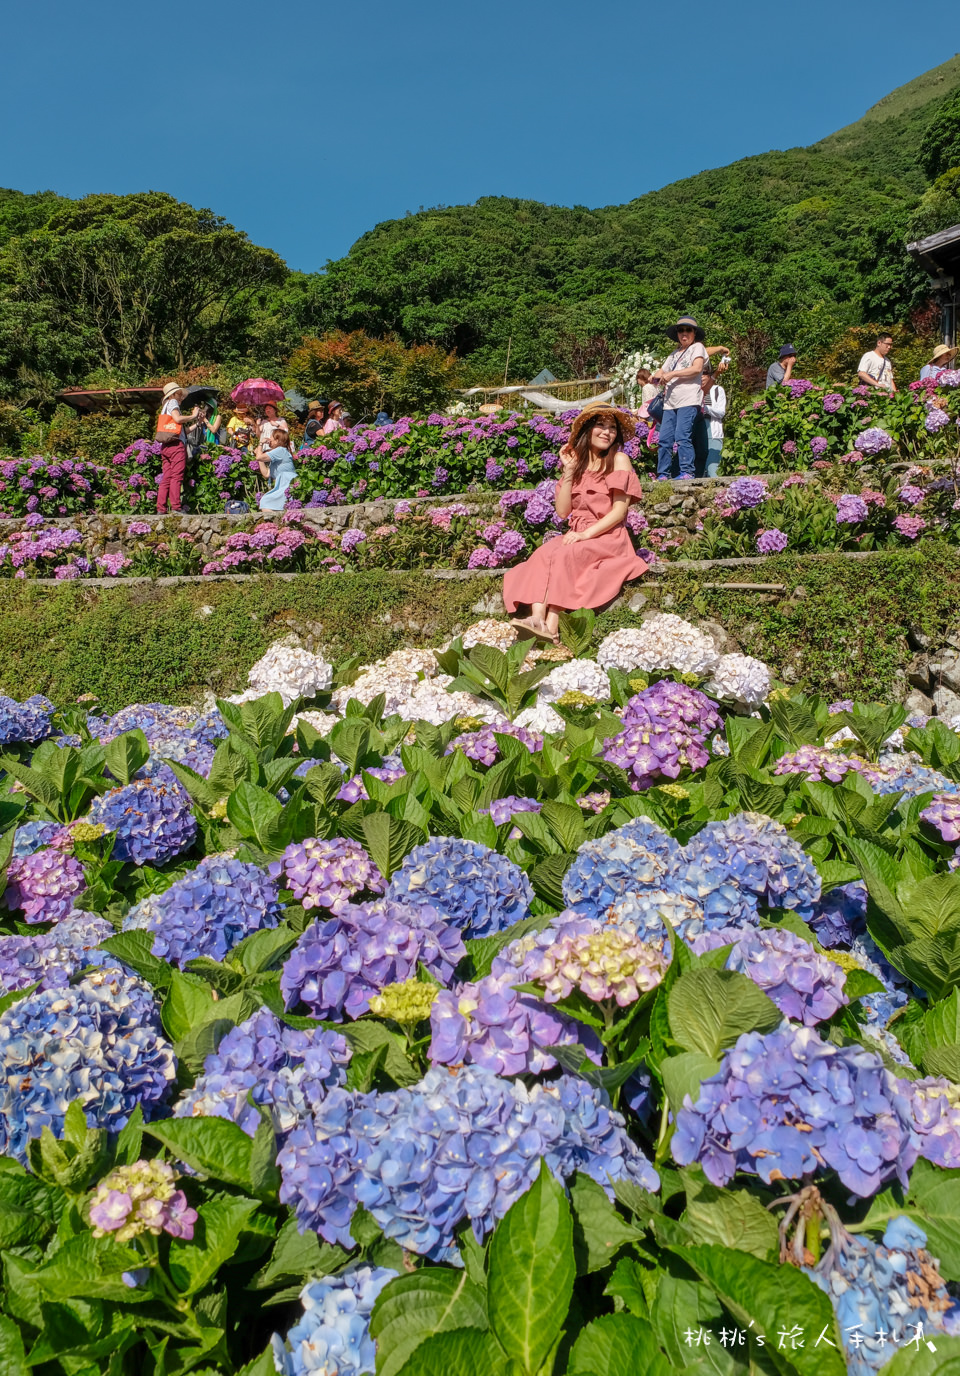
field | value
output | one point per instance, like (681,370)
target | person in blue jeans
(681,376)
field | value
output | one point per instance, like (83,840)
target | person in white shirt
(875,369)
(681,398)
(714,410)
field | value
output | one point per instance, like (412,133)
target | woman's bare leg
(551,622)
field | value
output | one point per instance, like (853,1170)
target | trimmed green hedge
(128,643)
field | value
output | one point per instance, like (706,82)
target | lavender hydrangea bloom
(841,915)
(761,856)
(27,721)
(851,509)
(154,822)
(819,763)
(510,544)
(772,541)
(935,1109)
(873,441)
(43,885)
(458,1145)
(786,1104)
(935,420)
(832,402)
(502,810)
(333,1336)
(32,836)
(804,985)
(338,965)
(326,873)
(639,854)
(819,445)
(51,959)
(478,889)
(665,728)
(98,1043)
(140,1198)
(481,745)
(745,493)
(262,1063)
(489,1024)
(207,911)
(943,813)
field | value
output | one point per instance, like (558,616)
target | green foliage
(371,375)
(941,149)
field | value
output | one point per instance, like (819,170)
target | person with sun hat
(681,375)
(588,566)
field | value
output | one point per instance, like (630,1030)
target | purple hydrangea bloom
(482,746)
(851,509)
(263,1064)
(154,822)
(27,721)
(538,510)
(804,985)
(326,873)
(818,763)
(910,494)
(479,890)
(745,493)
(98,1042)
(509,545)
(832,402)
(458,1145)
(819,445)
(502,810)
(935,420)
(208,911)
(943,812)
(140,1198)
(665,730)
(339,964)
(52,958)
(910,526)
(935,1110)
(771,541)
(786,1104)
(841,915)
(43,885)
(873,441)
(350,539)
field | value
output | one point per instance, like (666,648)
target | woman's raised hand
(568,457)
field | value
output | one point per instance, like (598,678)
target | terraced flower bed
(485,1009)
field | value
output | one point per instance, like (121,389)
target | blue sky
(306,123)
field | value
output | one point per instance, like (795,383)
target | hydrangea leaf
(634,1284)
(125,754)
(684,1075)
(931,962)
(681,1304)
(413,1308)
(598,1230)
(85,1267)
(915,1359)
(732,1218)
(771,1297)
(189,1004)
(617,1343)
(369,1036)
(547,877)
(389,841)
(461,1352)
(710,1009)
(264,1365)
(531,1273)
(256,814)
(297,1256)
(350,741)
(932,907)
(211,1146)
(224,1221)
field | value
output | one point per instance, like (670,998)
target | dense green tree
(941,147)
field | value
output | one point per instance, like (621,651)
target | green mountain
(800,243)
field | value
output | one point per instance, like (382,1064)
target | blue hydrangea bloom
(339,964)
(27,721)
(899,774)
(207,911)
(761,858)
(32,836)
(264,1063)
(52,958)
(461,1144)
(637,855)
(475,887)
(154,822)
(841,915)
(787,1104)
(806,986)
(333,1336)
(897,990)
(98,1042)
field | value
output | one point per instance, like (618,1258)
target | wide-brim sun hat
(942,351)
(626,422)
(170,388)
(699,333)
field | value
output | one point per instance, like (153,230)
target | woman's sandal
(528,626)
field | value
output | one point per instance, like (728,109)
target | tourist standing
(875,368)
(941,356)
(588,565)
(780,373)
(316,415)
(334,419)
(276,463)
(271,421)
(173,451)
(681,397)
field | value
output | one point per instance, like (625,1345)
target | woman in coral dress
(588,565)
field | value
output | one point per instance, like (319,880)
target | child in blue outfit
(277,464)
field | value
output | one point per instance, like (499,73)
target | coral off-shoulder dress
(590,572)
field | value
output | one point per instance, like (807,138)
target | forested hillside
(801,243)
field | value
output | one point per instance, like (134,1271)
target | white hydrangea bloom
(839,738)
(740,677)
(320,721)
(577,675)
(500,635)
(663,642)
(541,717)
(290,671)
(408,661)
(371,683)
(431,702)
